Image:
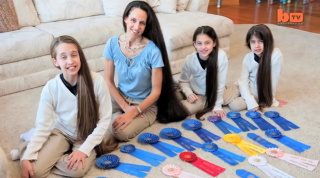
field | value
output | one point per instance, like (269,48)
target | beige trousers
(137,125)
(233,99)
(53,156)
(192,108)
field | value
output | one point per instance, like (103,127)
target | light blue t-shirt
(135,79)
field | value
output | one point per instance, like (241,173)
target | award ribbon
(289,142)
(243,145)
(261,141)
(204,165)
(305,163)
(145,156)
(153,140)
(175,135)
(175,171)
(245,174)
(229,158)
(112,161)
(195,126)
(282,122)
(243,124)
(261,123)
(222,125)
(269,170)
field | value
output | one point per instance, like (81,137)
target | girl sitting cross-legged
(261,68)
(67,146)
(203,75)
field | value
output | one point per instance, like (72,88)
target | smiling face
(204,45)
(68,60)
(256,45)
(136,22)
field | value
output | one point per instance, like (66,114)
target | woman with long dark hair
(261,70)
(203,75)
(145,91)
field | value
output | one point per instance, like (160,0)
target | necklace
(134,47)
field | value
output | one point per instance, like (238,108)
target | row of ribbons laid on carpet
(113,161)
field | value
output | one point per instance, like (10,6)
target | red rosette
(188,156)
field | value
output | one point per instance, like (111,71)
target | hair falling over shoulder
(88,110)
(169,107)
(264,83)
(212,70)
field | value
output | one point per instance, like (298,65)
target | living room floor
(250,12)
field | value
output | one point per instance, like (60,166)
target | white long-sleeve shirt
(56,98)
(248,79)
(193,77)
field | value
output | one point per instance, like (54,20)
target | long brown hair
(264,83)
(212,69)
(169,107)
(88,111)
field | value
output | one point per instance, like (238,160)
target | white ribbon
(269,170)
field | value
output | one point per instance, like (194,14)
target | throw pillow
(8,16)
(26,12)
(55,10)
(166,6)
(182,5)
(113,8)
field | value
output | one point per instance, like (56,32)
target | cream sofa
(25,55)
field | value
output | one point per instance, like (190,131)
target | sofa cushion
(113,8)
(198,5)
(55,10)
(89,31)
(26,12)
(28,42)
(178,28)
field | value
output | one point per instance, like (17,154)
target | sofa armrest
(198,5)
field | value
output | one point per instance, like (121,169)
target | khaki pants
(233,99)
(192,108)
(137,125)
(52,156)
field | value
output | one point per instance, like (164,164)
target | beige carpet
(299,85)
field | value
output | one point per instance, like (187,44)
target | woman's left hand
(122,121)
(219,113)
(75,158)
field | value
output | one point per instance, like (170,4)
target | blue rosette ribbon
(245,174)
(261,141)
(175,135)
(222,125)
(289,142)
(113,162)
(148,157)
(153,140)
(223,154)
(243,124)
(196,127)
(282,122)
(261,123)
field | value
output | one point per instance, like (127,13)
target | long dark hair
(212,69)
(88,111)
(169,107)
(264,83)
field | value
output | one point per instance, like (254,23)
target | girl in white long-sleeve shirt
(203,75)
(261,70)
(82,102)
